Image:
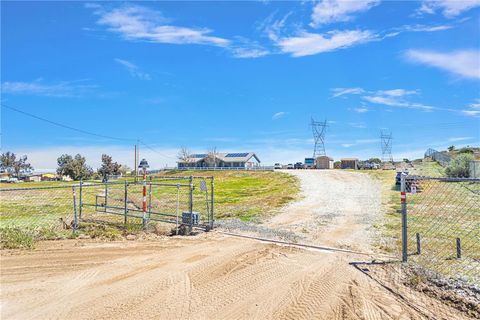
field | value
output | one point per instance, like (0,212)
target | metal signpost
(144,165)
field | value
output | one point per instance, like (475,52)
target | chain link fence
(442,227)
(58,211)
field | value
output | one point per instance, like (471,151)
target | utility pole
(137,158)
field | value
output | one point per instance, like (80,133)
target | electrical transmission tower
(386,142)
(319,129)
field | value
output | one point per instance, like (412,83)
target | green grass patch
(428,168)
(247,194)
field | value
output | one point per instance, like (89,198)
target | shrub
(459,167)
(15,238)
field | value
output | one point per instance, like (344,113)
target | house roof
(325,157)
(225,157)
(349,159)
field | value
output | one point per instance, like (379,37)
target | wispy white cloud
(358,125)
(425,28)
(473,109)
(361,110)
(306,43)
(329,11)
(396,102)
(338,92)
(391,97)
(245,48)
(347,145)
(139,23)
(279,115)
(397,92)
(449,8)
(456,139)
(464,63)
(53,89)
(133,69)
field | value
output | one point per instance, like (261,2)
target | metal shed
(324,162)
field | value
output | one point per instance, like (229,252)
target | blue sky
(239,76)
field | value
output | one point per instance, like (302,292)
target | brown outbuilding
(349,163)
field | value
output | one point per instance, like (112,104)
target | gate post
(191,205)
(80,199)
(106,195)
(125,203)
(212,202)
(75,218)
(403,197)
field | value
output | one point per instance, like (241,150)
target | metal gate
(183,201)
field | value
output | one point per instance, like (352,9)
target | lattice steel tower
(319,129)
(386,143)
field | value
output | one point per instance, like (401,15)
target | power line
(152,149)
(64,125)
(58,124)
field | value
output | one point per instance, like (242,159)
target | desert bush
(459,167)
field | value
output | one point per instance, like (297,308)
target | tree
(76,168)
(451,148)
(108,167)
(184,154)
(374,160)
(212,158)
(459,167)
(10,163)
(406,160)
(124,169)
(467,150)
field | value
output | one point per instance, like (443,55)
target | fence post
(178,209)
(125,209)
(150,198)
(212,202)
(403,197)
(81,200)
(417,235)
(106,196)
(75,218)
(459,249)
(191,204)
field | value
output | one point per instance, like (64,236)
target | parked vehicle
(290,166)
(398,177)
(298,165)
(277,166)
(309,163)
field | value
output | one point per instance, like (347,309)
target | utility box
(190,218)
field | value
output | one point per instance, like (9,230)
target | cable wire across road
(304,245)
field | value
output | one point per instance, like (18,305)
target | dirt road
(213,276)
(338,208)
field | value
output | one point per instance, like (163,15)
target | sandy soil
(213,276)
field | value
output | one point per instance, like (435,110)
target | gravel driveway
(336,208)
